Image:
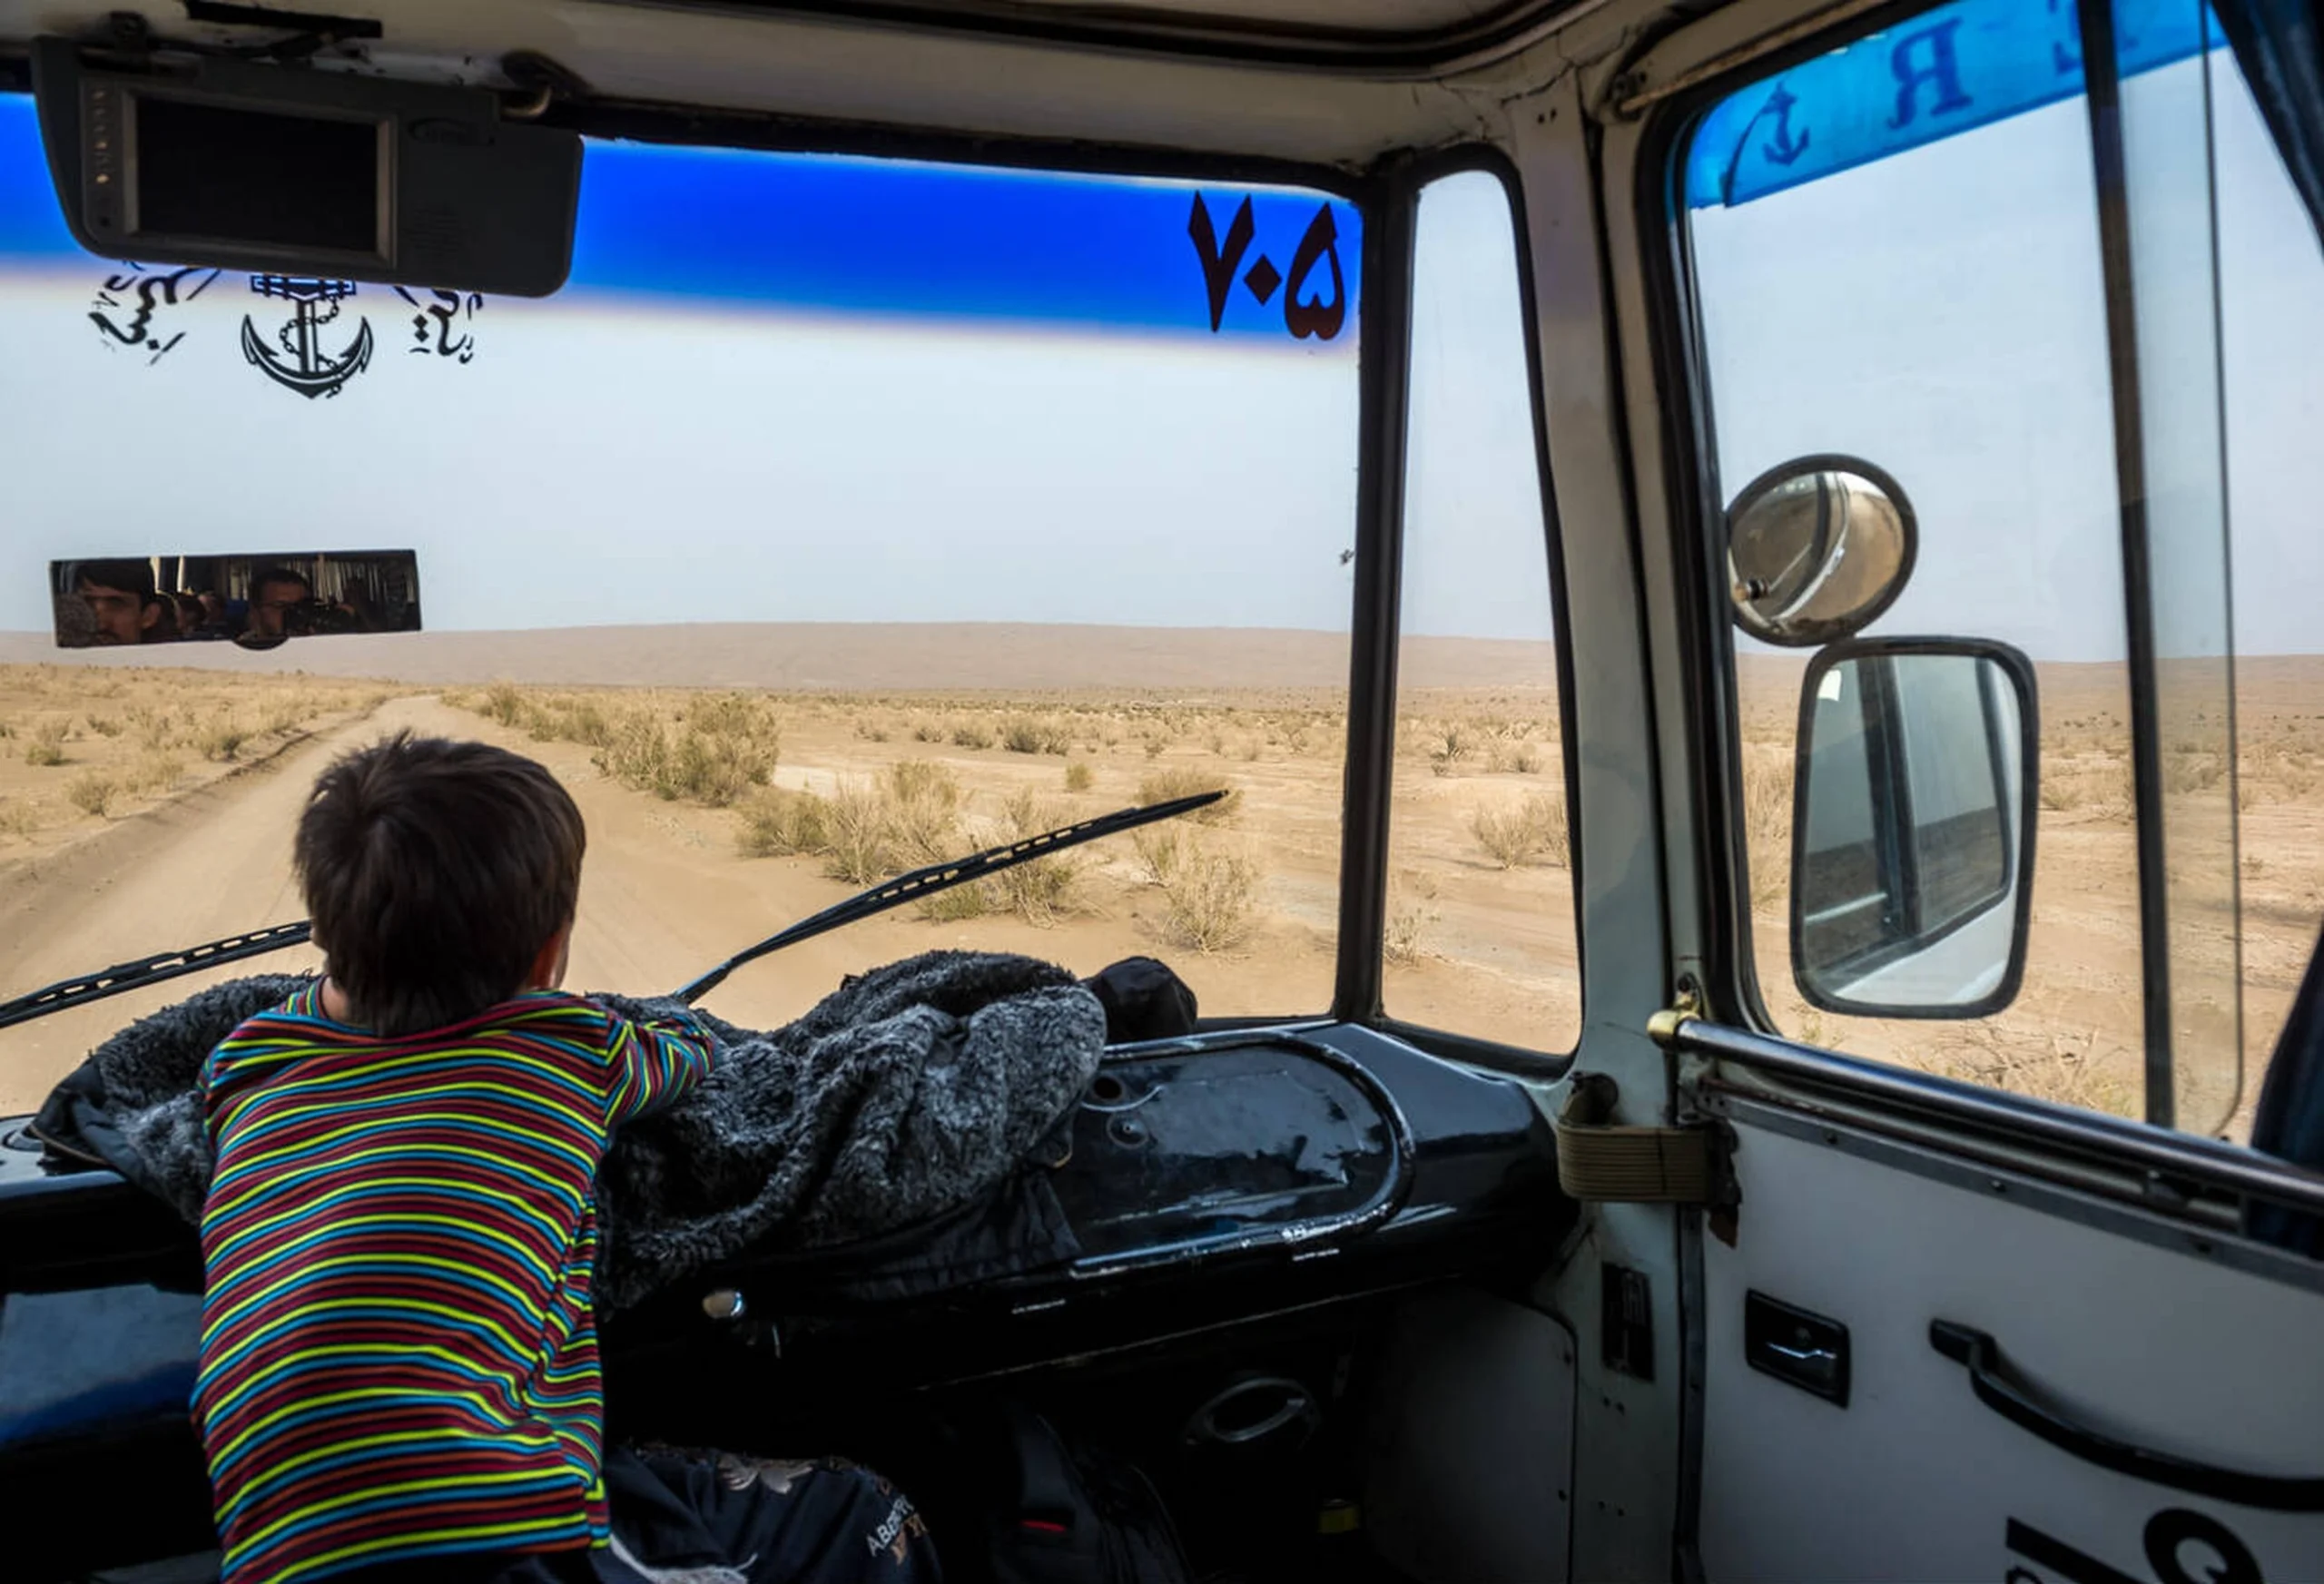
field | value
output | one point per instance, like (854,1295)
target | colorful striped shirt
(399,1355)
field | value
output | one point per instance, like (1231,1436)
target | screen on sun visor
(840,517)
(215,170)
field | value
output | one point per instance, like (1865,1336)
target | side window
(1949,327)
(2271,302)
(1959,341)
(1480,934)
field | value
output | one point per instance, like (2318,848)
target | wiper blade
(943,876)
(150,971)
(904,888)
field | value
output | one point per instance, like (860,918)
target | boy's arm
(651,1062)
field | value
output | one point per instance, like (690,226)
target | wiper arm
(943,877)
(879,899)
(150,971)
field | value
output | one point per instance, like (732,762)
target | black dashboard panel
(1201,1183)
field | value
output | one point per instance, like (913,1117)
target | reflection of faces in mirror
(121,600)
(278,597)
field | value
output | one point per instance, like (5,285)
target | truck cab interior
(1749,1009)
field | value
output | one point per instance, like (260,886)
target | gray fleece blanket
(907,1093)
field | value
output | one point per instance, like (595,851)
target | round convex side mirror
(1816,549)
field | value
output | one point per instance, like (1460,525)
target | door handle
(1998,1388)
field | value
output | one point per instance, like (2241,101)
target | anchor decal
(303,364)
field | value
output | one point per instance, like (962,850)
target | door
(1982,1309)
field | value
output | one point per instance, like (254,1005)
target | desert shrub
(106,725)
(960,903)
(924,810)
(18,818)
(1162,786)
(972,732)
(1515,834)
(44,754)
(1155,745)
(1209,900)
(503,703)
(1160,849)
(92,793)
(778,823)
(713,769)
(1504,756)
(927,731)
(155,772)
(1408,927)
(1454,745)
(1036,734)
(1040,890)
(872,729)
(1079,777)
(636,751)
(859,844)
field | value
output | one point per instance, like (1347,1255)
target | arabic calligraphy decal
(1306,310)
(154,293)
(302,341)
(433,326)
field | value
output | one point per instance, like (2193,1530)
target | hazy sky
(617,455)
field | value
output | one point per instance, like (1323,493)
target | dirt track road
(663,898)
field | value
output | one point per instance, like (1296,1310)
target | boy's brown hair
(435,872)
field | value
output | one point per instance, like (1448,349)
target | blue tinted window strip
(847,235)
(1944,71)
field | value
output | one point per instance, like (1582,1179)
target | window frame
(1382,197)
(1408,179)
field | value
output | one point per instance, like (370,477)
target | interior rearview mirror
(1912,827)
(1816,549)
(256,602)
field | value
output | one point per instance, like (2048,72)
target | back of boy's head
(435,872)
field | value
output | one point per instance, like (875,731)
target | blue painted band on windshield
(850,235)
(1946,71)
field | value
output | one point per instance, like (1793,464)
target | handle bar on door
(1998,1389)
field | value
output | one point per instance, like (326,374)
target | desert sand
(746,776)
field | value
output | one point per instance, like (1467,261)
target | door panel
(2115,1317)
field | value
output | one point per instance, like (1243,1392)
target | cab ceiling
(1331,82)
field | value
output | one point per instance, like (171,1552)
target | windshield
(841,514)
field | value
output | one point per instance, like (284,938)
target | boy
(398,1371)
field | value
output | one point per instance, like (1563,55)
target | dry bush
(1041,890)
(1155,743)
(714,769)
(1159,850)
(1515,834)
(924,810)
(872,729)
(1411,916)
(1036,734)
(1456,743)
(1506,757)
(17,819)
(972,732)
(1766,822)
(44,754)
(636,753)
(503,703)
(1184,781)
(155,772)
(106,725)
(924,730)
(779,823)
(1209,902)
(960,903)
(219,740)
(1079,777)
(92,793)
(859,842)
(2042,1066)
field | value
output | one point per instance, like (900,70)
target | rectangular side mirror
(1913,827)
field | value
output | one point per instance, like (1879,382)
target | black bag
(1144,999)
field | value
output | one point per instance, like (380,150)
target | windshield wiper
(879,899)
(150,971)
(942,877)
